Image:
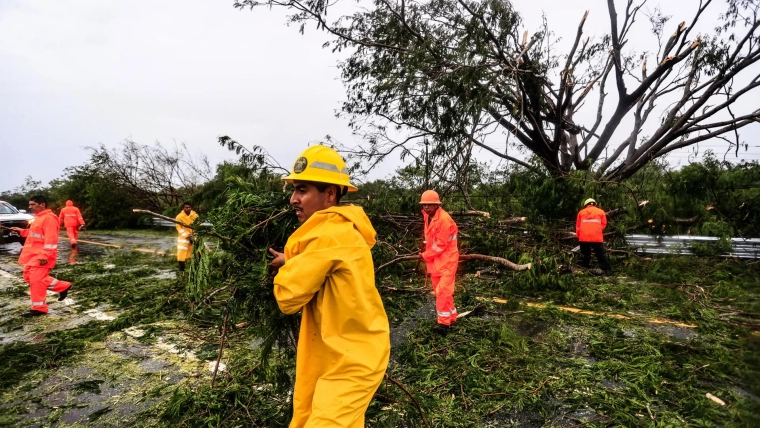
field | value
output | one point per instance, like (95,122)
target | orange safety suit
(590,224)
(184,246)
(441,256)
(41,244)
(71,219)
(344,342)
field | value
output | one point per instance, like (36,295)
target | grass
(539,366)
(505,365)
(129,291)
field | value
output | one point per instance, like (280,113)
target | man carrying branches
(327,273)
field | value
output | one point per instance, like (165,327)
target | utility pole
(427,164)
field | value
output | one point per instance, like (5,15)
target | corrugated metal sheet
(681,244)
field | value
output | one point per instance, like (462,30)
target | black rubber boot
(32,313)
(442,329)
(62,295)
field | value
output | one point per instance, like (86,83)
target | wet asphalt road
(160,243)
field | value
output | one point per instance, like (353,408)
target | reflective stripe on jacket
(590,224)
(184,232)
(70,216)
(41,240)
(441,252)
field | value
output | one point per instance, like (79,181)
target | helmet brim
(317,179)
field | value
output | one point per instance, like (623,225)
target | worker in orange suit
(326,273)
(589,228)
(38,256)
(185,234)
(71,218)
(441,256)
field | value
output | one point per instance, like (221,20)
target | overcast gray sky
(81,73)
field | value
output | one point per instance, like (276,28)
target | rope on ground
(587,312)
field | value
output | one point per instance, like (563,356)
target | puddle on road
(84,250)
(112,380)
(680,333)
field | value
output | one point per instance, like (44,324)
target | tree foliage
(157,177)
(462,73)
(254,218)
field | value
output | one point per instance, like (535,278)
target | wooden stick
(513,220)
(221,343)
(461,389)
(462,258)
(499,260)
(398,260)
(472,213)
(416,403)
(214,234)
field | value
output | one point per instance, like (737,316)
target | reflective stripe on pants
(39,280)
(184,250)
(443,286)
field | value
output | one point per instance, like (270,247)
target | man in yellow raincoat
(326,272)
(185,234)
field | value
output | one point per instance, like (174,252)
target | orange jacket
(70,216)
(41,240)
(590,224)
(441,253)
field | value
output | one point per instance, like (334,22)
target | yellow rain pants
(344,343)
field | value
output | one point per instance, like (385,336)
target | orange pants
(73,234)
(443,286)
(40,281)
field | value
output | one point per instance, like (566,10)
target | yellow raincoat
(344,343)
(184,246)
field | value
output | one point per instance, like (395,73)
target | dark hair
(322,187)
(39,199)
(187,203)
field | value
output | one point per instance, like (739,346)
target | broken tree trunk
(616,211)
(691,220)
(462,258)
(499,260)
(472,213)
(513,220)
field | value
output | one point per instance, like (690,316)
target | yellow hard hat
(322,165)
(589,201)
(430,197)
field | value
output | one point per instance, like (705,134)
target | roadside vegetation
(552,346)
(523,360)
